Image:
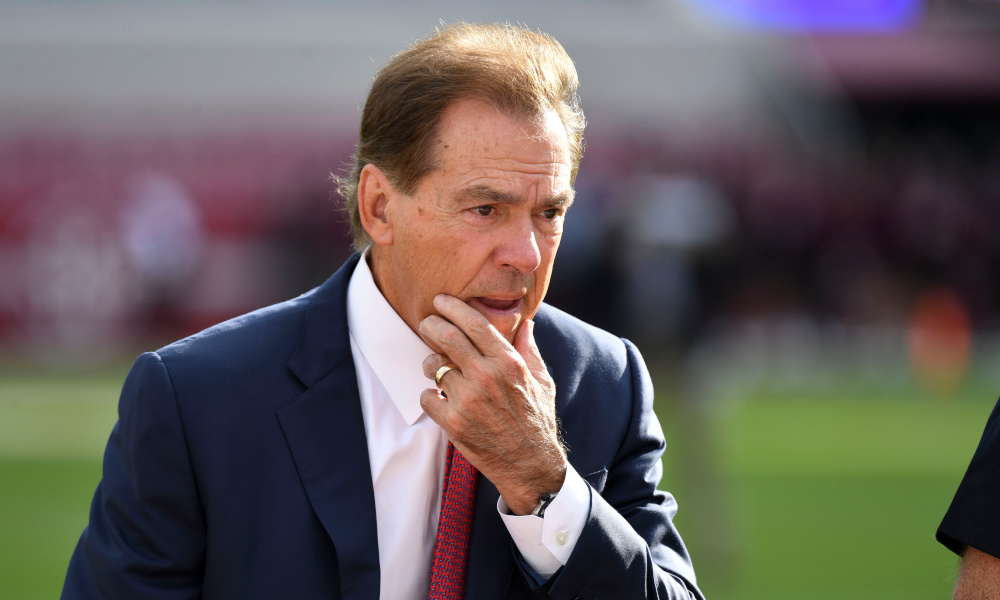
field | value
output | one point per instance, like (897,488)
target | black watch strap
(543,503)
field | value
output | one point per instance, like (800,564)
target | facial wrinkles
(521,173)
(527,185)
(534,170)
(530,191)
(510,169)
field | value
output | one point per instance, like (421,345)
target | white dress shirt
(406,450)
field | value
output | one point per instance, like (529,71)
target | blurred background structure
(791,206)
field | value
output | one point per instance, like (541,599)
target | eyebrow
(488,195)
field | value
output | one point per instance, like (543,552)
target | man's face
(485,225)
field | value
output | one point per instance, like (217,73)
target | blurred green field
(823,498)
(832,497)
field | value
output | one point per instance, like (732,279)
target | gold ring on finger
(441,371)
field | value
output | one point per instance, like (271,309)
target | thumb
(524,343)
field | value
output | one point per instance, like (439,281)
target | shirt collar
(394,352)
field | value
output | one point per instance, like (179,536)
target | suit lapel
(325,431)
(326,434)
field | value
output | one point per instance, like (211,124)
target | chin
(508,326)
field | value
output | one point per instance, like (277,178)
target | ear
(374,194)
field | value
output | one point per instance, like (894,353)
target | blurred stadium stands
(796,173)
(780,201)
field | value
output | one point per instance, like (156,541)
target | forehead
(476,140)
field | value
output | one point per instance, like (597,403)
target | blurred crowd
(685,233)
(676,240)
(106,241)
(761,259)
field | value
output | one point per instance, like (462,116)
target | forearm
(979,577)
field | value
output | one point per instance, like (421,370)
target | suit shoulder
(603,391)
(562,334)
(272,330)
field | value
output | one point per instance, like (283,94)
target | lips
(496,305)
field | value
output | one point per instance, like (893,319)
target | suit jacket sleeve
(973,519)
(629,547)
(146,533)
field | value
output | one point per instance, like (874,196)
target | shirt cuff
(546,543)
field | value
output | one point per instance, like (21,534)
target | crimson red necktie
(452,542)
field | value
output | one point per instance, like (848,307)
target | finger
(435,404)
(473,324)
(434,362)
(524,343)
(440,374)
(450,339)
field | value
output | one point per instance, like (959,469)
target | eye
(551,213)
(484,211)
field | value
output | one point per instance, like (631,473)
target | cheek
(548,246)
(448,264)
(548,251)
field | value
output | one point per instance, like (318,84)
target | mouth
(496,305)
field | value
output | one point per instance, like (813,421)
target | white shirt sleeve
(546,542)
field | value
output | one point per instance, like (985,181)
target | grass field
(832,497)
(825,498)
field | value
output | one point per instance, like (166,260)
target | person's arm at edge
(979,577)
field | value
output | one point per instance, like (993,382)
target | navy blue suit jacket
(239,469)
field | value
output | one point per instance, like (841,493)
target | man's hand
(498,407)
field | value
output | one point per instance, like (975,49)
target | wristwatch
(543,503)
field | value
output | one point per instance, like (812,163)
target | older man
(300,451)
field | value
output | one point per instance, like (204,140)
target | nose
(518,248)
